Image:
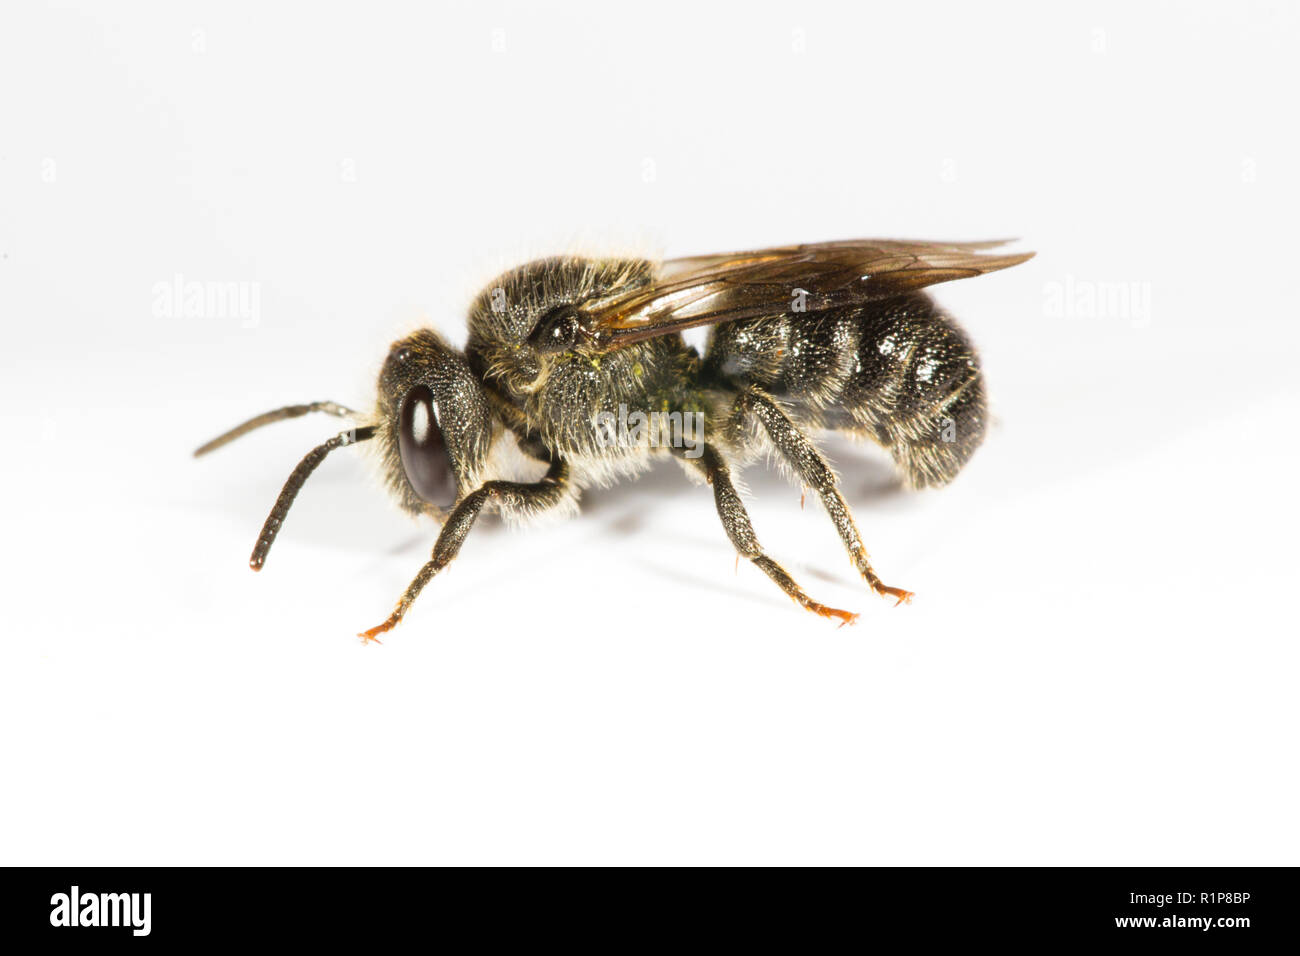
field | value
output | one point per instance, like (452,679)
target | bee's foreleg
(531,496)
(735,520)
(813,469)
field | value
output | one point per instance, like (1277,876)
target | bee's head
(434,424)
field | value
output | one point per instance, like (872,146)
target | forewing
(807,279)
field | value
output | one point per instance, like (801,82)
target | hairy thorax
(569,400)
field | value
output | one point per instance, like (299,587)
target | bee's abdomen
(900,370)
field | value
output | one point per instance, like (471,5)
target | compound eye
(423,449)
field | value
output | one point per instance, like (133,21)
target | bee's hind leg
(735,520)
(817,474)
(535,496)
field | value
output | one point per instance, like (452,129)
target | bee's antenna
(296,480)
(289,411)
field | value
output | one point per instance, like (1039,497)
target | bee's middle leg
(735,520)
(816,472)
(532,496)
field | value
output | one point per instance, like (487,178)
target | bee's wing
(707,290)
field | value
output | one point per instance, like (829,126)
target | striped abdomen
(900,370)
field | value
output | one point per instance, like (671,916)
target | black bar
(1226,907)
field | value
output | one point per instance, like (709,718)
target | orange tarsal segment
(904,597)
(845,617)
(372,634)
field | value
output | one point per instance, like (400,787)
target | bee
(564,352)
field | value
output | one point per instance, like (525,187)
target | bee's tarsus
(547,491)
(816,472)
(371,635)
(903,597)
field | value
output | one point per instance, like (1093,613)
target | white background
(1100,664)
